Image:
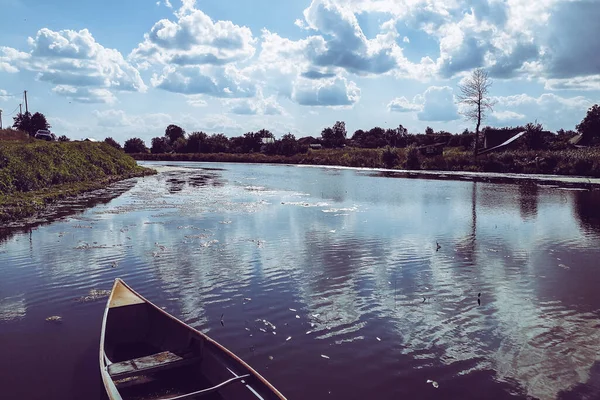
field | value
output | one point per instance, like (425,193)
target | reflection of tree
(466,247)
(175,185)
(528,199)
(587,209)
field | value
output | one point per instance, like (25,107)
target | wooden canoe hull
(146,353)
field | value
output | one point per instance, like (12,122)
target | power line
(13,111)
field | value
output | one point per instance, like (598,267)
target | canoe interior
(135,332)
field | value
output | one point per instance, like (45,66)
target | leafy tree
(389,157)
(180,145)
(112,142)
(30,123)
(160,144)
(590,125)
(253,141)
(63,138)
(218,143)
(336,136)
(197,143)
(236,144)
(474,93)
(533,137)
(429,131)
(135,145)
(396,137)
(174,132)
(288,145)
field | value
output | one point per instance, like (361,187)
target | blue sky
(130,68)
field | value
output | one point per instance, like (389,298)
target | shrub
(412,158)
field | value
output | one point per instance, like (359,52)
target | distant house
(315,146)
(432,150)
(266,141)
(580,141)
(88,139)
(495,137)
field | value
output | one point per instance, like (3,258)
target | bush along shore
(575,162)
(36,173)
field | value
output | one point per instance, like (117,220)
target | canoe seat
(149,364)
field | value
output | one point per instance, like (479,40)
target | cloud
(553,111)
(220,123)
(218,82)
(506,116)
(73,59)
(401,104)
(85,94)
(259,105)
(313,74)
(11,58)
(578,83)
(196,100)
(438,104)
(346,45)
(572,45)
(332,92)
(194,39)
(4,95)
(146,125)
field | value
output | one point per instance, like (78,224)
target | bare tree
(474,94)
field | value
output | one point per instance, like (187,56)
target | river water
(330,282)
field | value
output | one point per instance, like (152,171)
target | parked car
(44,134)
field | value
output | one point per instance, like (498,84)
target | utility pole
(26,108)
(21,108)
(0,118)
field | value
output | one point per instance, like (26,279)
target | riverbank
(574,162)
(34,175)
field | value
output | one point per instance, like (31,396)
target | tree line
(176,140)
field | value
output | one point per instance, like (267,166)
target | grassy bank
(581,162)
(34,174)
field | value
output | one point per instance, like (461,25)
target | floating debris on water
(225,222)
(378,339)
(324,356)
(563,266)
(114,264)
(54,318)
(309,332)
(267,323)
(293,309)
(271,358)
(289,338)
(93,295)
(262,330)
(297,316)
(82,226)
(433,383)
(248,329)
(247,299)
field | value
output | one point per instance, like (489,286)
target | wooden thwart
(149,364)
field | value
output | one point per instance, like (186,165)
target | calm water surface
(312,262)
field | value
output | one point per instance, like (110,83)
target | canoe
(146,353)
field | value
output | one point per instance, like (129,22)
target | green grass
(581,162)
(11,134)
(33,174)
